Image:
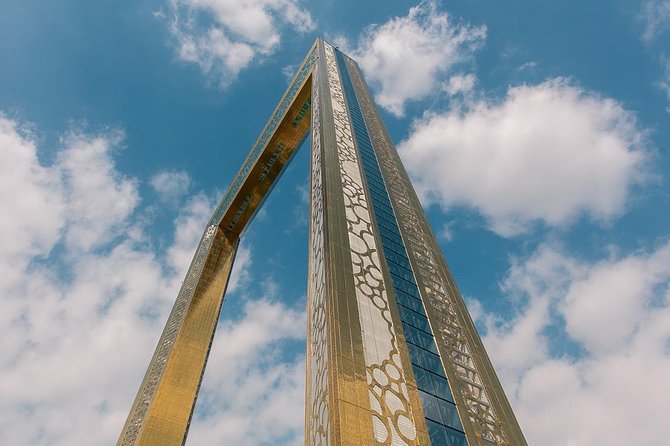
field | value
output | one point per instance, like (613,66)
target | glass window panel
(401,272)
(383,214)
(437,433)
(449,414)
(382,220)
(386,233)
(414,299)
(389,225)
(380,201)
(397,258)
(394,246)
(455,438)
(430,404)
(409,302)
(423,381)
(415,320)
(376,183)
(400,261)
(433,363)
(377,195)
(423,340)
(374,177)
(410,334)
(393,233)
(441,387)
(373,174)
(415,355)
(425,359)
(402,284)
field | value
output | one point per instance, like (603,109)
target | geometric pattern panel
(393,357)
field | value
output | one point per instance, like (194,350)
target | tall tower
(393,357)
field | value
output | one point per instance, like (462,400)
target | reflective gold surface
(167,420)
(162,410)
(484,410)
(344,402)
(175,377)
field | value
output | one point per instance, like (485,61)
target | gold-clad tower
(393,357)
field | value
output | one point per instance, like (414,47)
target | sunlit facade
(393,357)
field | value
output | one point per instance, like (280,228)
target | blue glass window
(420,339)
(437,433)
(408,301)
(441,415)
(455,438)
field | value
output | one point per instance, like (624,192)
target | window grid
(444,426)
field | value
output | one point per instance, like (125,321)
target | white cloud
(459,84)
(74,319)
(289,71)
(85,295)
(664,83)
(190,224)
(547,153)
(447,232)
(100,199)
(251,395)
(407,58)
(224,36)
(528,66)
(171,186)
(611,387)
(32,208)
(655,15)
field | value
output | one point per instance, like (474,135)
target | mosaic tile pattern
(389,400)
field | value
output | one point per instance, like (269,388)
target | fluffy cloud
(664,83)
(171,186)
(407,58)
(547,153)
(224,36)
(85,294)
(611,321)
(248,384)
(30,195)
(459,84)
(99,199)
(655,15)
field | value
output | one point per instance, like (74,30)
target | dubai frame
(393,357)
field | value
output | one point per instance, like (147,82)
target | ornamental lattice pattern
(357,389)
(387,390)
(166,342)
(317,429)
(471,389)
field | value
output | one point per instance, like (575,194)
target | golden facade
(393,357)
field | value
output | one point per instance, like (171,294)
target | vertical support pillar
(364,395)
(164,405)
(484,410)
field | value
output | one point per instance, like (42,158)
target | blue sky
(536,134)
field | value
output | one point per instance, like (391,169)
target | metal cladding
(393,357)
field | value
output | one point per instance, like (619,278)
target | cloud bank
(588,347)
(408,58)
(546,153)
(223,37)
(86,291)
